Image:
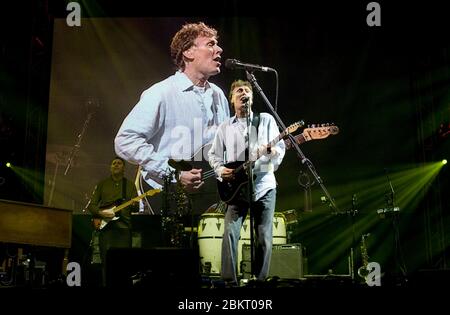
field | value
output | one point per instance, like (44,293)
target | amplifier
(286,261)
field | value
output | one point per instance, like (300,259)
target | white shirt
(229,146)
(173,119)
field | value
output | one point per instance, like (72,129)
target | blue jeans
(263,211)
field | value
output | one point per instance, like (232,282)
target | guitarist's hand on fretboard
(267,151)
(191,180)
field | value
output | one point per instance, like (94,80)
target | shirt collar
(235,119)
(184,83)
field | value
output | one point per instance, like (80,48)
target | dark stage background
(385,87)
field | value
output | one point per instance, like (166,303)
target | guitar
(199,159)
(229,189)
(100,223)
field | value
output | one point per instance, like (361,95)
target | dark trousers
(114,235)
(263,210)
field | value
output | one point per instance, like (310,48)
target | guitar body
(99,223)
(231,190)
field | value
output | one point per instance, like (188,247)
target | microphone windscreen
(230,63)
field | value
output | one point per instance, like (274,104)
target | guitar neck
(277,139)
(299,139)
(270,144)
(124,205)
(273,142)
(135,199)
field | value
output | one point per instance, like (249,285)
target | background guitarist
(109,192)
(229,145)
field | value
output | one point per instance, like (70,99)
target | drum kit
(210,233)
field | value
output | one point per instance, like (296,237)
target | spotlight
(444,161)
(8,164)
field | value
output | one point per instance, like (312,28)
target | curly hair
(184,39)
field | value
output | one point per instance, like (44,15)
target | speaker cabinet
(147,231)
(161,267)
(286,261)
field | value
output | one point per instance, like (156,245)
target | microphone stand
(166,222)
(307,188)
(58,160)
(394,211)
(353,211)
(250,191)
(300,154)
(90,103)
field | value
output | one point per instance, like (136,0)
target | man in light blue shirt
(230,145)
(177,116)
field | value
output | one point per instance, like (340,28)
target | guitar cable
(141,187)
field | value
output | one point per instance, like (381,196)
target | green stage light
(8,164)
(444,161)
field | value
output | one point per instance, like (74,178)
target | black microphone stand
(91,106)
(282,126)
(394,212)
(353,213)
(250,187)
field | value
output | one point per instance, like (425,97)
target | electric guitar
(229,189)
(100,223)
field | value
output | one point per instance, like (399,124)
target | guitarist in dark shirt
(229,146)
(108,193)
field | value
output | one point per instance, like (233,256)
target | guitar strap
(255,124)
(255,121)
(124,189)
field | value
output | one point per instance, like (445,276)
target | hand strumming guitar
(107,213)
(191,180)
(227,173)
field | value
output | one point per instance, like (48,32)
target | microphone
(245,99)
(236,64)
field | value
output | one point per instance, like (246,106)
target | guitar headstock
(292,128)
(322,131)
